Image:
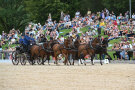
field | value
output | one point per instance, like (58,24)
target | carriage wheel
(39,61)
(15,58)
(23,60)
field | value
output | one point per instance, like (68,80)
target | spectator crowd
(120,27)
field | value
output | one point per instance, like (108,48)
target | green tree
(40,9)
(118,6)
(12,15)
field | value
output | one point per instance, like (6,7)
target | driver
(27,41)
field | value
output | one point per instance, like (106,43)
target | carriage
(20,55)
(43,51)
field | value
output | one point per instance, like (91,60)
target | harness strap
(91,45)
(60,50)
(43,46)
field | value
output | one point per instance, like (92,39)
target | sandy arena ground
(97,77)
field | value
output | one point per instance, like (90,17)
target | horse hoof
(57,64)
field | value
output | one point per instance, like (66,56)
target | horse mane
(77,42)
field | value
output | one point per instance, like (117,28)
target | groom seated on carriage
(32,42)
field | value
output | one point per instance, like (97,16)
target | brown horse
(74,45)
(40,52)
(47,48)
(37,52)
(94,47)
(102,49)
(62,49)
(88,49)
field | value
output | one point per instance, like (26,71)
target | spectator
(77,14)
(0,37)
(0,47)
(13,40)
(133,44)
(62,39)
(133,16)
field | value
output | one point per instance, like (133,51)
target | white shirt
(133,16)
(77,13)
(62,39)
(130,46)
(0,37)
(12,40)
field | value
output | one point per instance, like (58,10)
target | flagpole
(130,7)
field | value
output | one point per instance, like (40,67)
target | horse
(85,49)
(102,49)
(74,44)
(47,48)
(89,49)
(40,51)
(94,47)
(62,49)
(37,52)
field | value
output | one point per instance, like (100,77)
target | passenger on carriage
(21,40)
(32,39)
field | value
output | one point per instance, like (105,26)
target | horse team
(70,46)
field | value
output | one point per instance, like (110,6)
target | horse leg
(73,62)
(48,61)
(56,62)
(92,57)
(81,61)
(69,61)
(31,60)
(69,58)
(47,58)
(66,60)
(81,57)
(43,61)
(100,59)
(109,57)
(73,58)
(42,57)
(84,62)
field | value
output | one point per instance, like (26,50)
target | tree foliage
(12,15)
(17,13)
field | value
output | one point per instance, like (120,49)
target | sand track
(97,77)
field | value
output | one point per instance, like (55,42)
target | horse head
(77,42)
(96,41)
(68,42)
(45,44)
(105,42)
